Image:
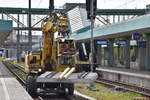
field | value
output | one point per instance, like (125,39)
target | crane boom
(54,67)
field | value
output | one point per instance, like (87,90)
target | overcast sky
(103,4)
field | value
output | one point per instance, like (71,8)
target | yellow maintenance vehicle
(2,53)
(53,68)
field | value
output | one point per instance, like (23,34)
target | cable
(100,20)
(40,21)
(125,3)
(39,4)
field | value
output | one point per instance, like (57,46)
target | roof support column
(148,52)
(18,42)
(113,19)
(99,55)
(118,51)
(123,17)
(118,18)
(2,16)
(127,52)
(30,31)
(111,52)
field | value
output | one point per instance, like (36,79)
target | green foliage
(20,73)
(102,93)
(20,63)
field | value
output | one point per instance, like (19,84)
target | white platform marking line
(5,89)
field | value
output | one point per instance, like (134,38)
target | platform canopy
(126,28)
(6,28)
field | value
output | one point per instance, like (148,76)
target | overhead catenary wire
(124,4)
(38,5)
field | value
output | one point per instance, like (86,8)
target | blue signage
(101,42)
(136,36)
(122,42)
(142,44)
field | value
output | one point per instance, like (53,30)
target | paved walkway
(10,88)
(125,71)
(4,71)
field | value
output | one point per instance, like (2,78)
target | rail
(124,86)
(12,68)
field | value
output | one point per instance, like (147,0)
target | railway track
(118,85)
(12,68)
(124,86)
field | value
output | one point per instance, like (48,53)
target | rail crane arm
(56,23)
(54,67)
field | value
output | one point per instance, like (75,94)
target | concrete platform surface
(130,72)
(129,76)
(11,89)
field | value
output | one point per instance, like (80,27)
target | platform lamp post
(51,5)
(30,31)
(91,6)
(18,42)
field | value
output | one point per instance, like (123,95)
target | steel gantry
(45,11)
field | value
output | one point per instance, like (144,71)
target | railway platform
(10,88)
(129,76)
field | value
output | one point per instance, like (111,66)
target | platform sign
(6,25)
(101,42)
(136,36)
(141,44)
(122,42)
(1,53)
